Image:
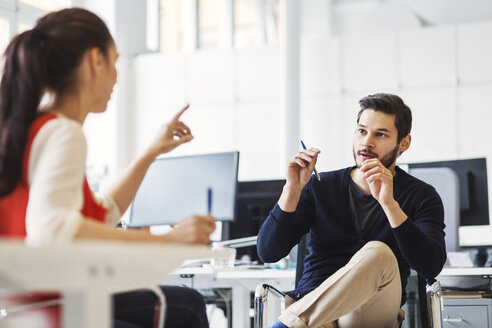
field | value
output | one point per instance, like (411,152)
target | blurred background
(261,74)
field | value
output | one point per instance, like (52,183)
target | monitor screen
(255,200)
(472,174)
(176,187)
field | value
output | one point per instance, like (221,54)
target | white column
(131,40)
(291,84)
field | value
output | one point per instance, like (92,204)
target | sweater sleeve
(56,173)
(421,238)
(281,231)
(113,214)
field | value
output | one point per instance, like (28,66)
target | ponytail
(21,89)
(44,59)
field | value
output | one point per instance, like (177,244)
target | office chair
(430,297)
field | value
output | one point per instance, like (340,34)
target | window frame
(18,13)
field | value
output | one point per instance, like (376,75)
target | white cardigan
(55,175)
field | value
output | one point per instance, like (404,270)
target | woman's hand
(194,229)
(171,135)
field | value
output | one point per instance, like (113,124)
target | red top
(13,207)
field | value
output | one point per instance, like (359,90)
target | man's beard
(387,160)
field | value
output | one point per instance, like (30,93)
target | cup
(223,257)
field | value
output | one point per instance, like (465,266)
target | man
(368,225)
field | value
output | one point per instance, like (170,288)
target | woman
(70,56)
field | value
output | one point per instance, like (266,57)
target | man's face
(376,137)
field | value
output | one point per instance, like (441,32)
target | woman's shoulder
(59,135)
(59,127)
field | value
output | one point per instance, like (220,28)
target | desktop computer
(473,188)
(255,200)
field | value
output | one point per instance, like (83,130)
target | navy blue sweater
(324,211)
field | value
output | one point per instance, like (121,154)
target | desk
(241,282)
(466,312)
(244,281)
(466,271)
(87,272)
(465,277)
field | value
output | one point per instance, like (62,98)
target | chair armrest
(435,303)
(262,293)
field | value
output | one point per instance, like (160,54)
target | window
(171,27)
(208,18)
(45,5)
(256,22)
(20,15)
(4,33)
(247,30)
(210,24)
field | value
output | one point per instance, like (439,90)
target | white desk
(243,281)
(465,277)
(86,273)
(466,271)
(240,281)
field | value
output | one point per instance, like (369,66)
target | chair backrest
(301,254)
(447,185)
(424,310)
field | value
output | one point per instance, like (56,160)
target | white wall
(443,73)
(235,103)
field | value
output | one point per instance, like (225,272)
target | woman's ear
(95,59)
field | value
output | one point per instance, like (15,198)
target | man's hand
(195,229)
(379,179)
(301,167)
(299,171)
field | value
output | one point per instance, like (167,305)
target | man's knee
(379,251)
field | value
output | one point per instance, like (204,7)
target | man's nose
(368,141)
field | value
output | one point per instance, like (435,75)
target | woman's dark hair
(389,104)
(44,59)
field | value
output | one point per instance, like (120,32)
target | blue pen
(209,200)
(317,175)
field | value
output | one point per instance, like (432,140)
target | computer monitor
(176,187)
(255,200)
(472,174)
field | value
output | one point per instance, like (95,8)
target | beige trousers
(365,293)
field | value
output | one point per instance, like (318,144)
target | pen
(317,175)
(209,200)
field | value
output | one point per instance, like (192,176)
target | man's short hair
(389,104)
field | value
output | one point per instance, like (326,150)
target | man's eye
(381,135)
(361,131)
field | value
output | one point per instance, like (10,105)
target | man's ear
(405,144)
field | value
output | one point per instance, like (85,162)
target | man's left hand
(380,180)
